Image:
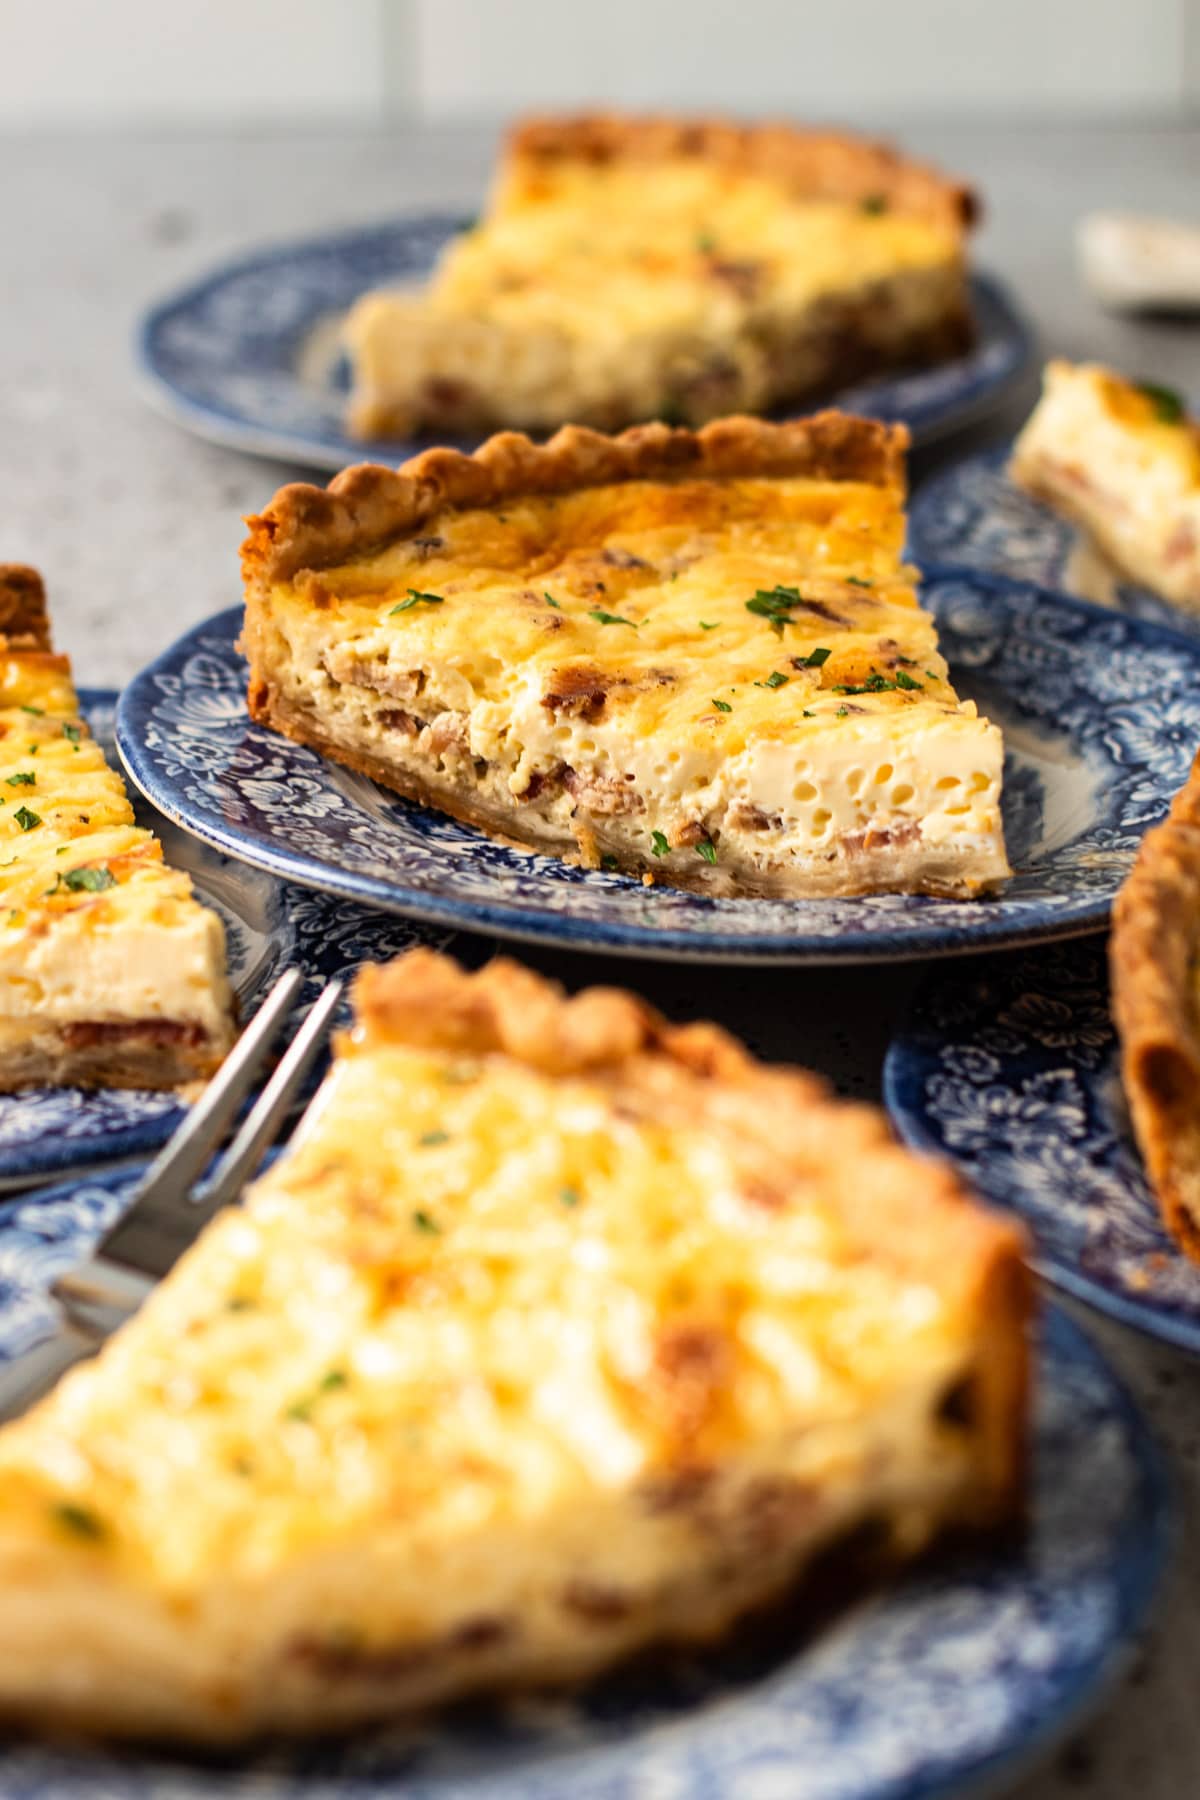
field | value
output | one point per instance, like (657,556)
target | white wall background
(199,61)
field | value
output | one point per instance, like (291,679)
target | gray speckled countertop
(136,527)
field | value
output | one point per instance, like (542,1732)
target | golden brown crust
(365,507)
(24,619)
(1154,958)
(831,165)
(914,1213)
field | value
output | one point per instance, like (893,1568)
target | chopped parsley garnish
(80,1521)
(333,1378)
(606,618)
(707,624)
(1168,407)
(72,733)
(776,605)
(87,881)
(776,679)
(25,778)
(26,819)
(424,1222)
(816,659)
(707,849)
(609,861)
(238,1303)
(661,846)
(843,712)
(429,1138)
(417,598)
(706,243)
(569,1196)
(906,682)
(722,706)
(874,204)
(857,581)
(301,1410)
(39,712)
(933,674)
(806,714)
(551,601)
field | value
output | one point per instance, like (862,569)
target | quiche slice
(111,972)
(556,1332)
(1154,956)
(1122,459)
(696,657)
(631,269)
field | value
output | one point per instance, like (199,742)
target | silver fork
(170,1205)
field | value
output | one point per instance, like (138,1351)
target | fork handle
(30,1375)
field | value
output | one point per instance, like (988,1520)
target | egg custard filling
(698,658)
(1122,459)
(633,269)
(555,1332)
(111,972)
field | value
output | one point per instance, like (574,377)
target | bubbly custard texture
(93,926)
(705,662)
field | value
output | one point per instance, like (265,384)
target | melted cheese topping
(611,633)
(1124,460)
(93,926)
(601,251)
(465,1301)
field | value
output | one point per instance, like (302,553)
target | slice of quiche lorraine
(642,268)
(695,656)
(111,972)
(557,1331)
(1122,459)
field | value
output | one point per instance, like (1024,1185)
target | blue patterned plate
(248,355)
(962,1672)
(269,926)
(1011,1070)
(972,513)
(1101,715)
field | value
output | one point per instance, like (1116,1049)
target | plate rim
(510,920)
(215,424)
(904,1067)
(1137,1590)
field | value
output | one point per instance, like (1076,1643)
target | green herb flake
(333,1378)
(240,1303)
(26,778)
(428,1139)
(72,733)
(707,624)
(62,849)
(707,849)
(933,675)
(661,846)
(1167,404)
(806,714)
(706,243)
(80,1521)
(417,598)
(722,706)
(776,679)
(775,604)
(874,204)
(426,1223)
(608,861)
(606,618)
(38,712)
(88,881)
(25,819)
(551,601)
(857,581)
(906,682)
(569,1196)
(843,712)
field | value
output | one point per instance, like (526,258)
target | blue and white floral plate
(961,1673)
(248,356)
(269,926)
(972,513)
(1011,1069)
(1101,716)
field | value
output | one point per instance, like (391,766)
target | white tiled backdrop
(240,61)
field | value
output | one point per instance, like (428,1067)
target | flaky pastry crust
(834,165)
(1154,958)
(368,506)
